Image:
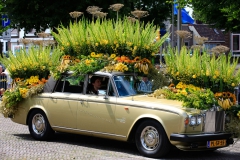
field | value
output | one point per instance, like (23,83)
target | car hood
(155,103)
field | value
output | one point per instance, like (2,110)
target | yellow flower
(214,77)
(194,76)
(129,43)
(25,68)
(207,73)
(217,73)
(238,114)
(93,54)
(233,84)
(87,62)
(177,73)
(184,92)
(113,56)
(96,44)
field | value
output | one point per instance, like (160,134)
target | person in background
(2,90)
(145,85)
(96,83)
(8,78)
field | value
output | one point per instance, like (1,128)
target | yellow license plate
(216,143)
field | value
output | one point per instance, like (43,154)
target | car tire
(151,139)
(39,126)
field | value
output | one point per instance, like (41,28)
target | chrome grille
(214,121)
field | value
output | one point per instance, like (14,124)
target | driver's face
(97,84)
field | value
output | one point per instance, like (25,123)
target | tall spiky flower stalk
(131,19)
(139,13)
(98,14)
(219,50)
(183,34)
(75,14)
(43,35)
(92,10)
(116,7)
(25,41)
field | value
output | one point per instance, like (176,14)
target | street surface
(17,144)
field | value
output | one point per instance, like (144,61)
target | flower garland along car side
(29,71)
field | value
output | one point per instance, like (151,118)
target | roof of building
(204,30)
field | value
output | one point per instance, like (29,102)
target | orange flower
(137,58)
(127,61)
(67,57)
(117,58)
(17,79)
(123,58)
(224,94)
(77,60)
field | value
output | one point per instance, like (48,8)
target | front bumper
(199,137)
(199,141)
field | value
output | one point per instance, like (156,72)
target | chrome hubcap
(38,124)
(150,138)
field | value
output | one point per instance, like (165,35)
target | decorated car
(119,112)
(89,84)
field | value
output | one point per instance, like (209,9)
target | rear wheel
(39,126)
(151,139)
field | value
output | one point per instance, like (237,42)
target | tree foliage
(221,14)
(42,14)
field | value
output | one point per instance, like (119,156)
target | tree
(2,29)
(42,14)
(221,14)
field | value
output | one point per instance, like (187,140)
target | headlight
(199,119)
(193,120)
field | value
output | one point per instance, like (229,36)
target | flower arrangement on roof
(133,45)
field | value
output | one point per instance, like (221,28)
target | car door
(64,103)
(97,112)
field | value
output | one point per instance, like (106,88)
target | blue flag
(186,18)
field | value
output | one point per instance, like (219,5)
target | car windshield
(125,85)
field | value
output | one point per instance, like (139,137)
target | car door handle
(82,100)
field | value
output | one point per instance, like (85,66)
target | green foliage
(202,70)
(158,78)
(199,99)
(121,37)
(88,64)
(222,14)
(35,61)
(42,14)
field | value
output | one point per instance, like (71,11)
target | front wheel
(151,139)
(39,126)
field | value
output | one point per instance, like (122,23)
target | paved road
(17,144)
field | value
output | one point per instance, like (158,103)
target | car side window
(70,84)
(97,85)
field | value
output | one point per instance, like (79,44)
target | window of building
(235,43)
(209,46)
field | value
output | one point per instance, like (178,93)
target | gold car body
(116,117)
(110,118)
